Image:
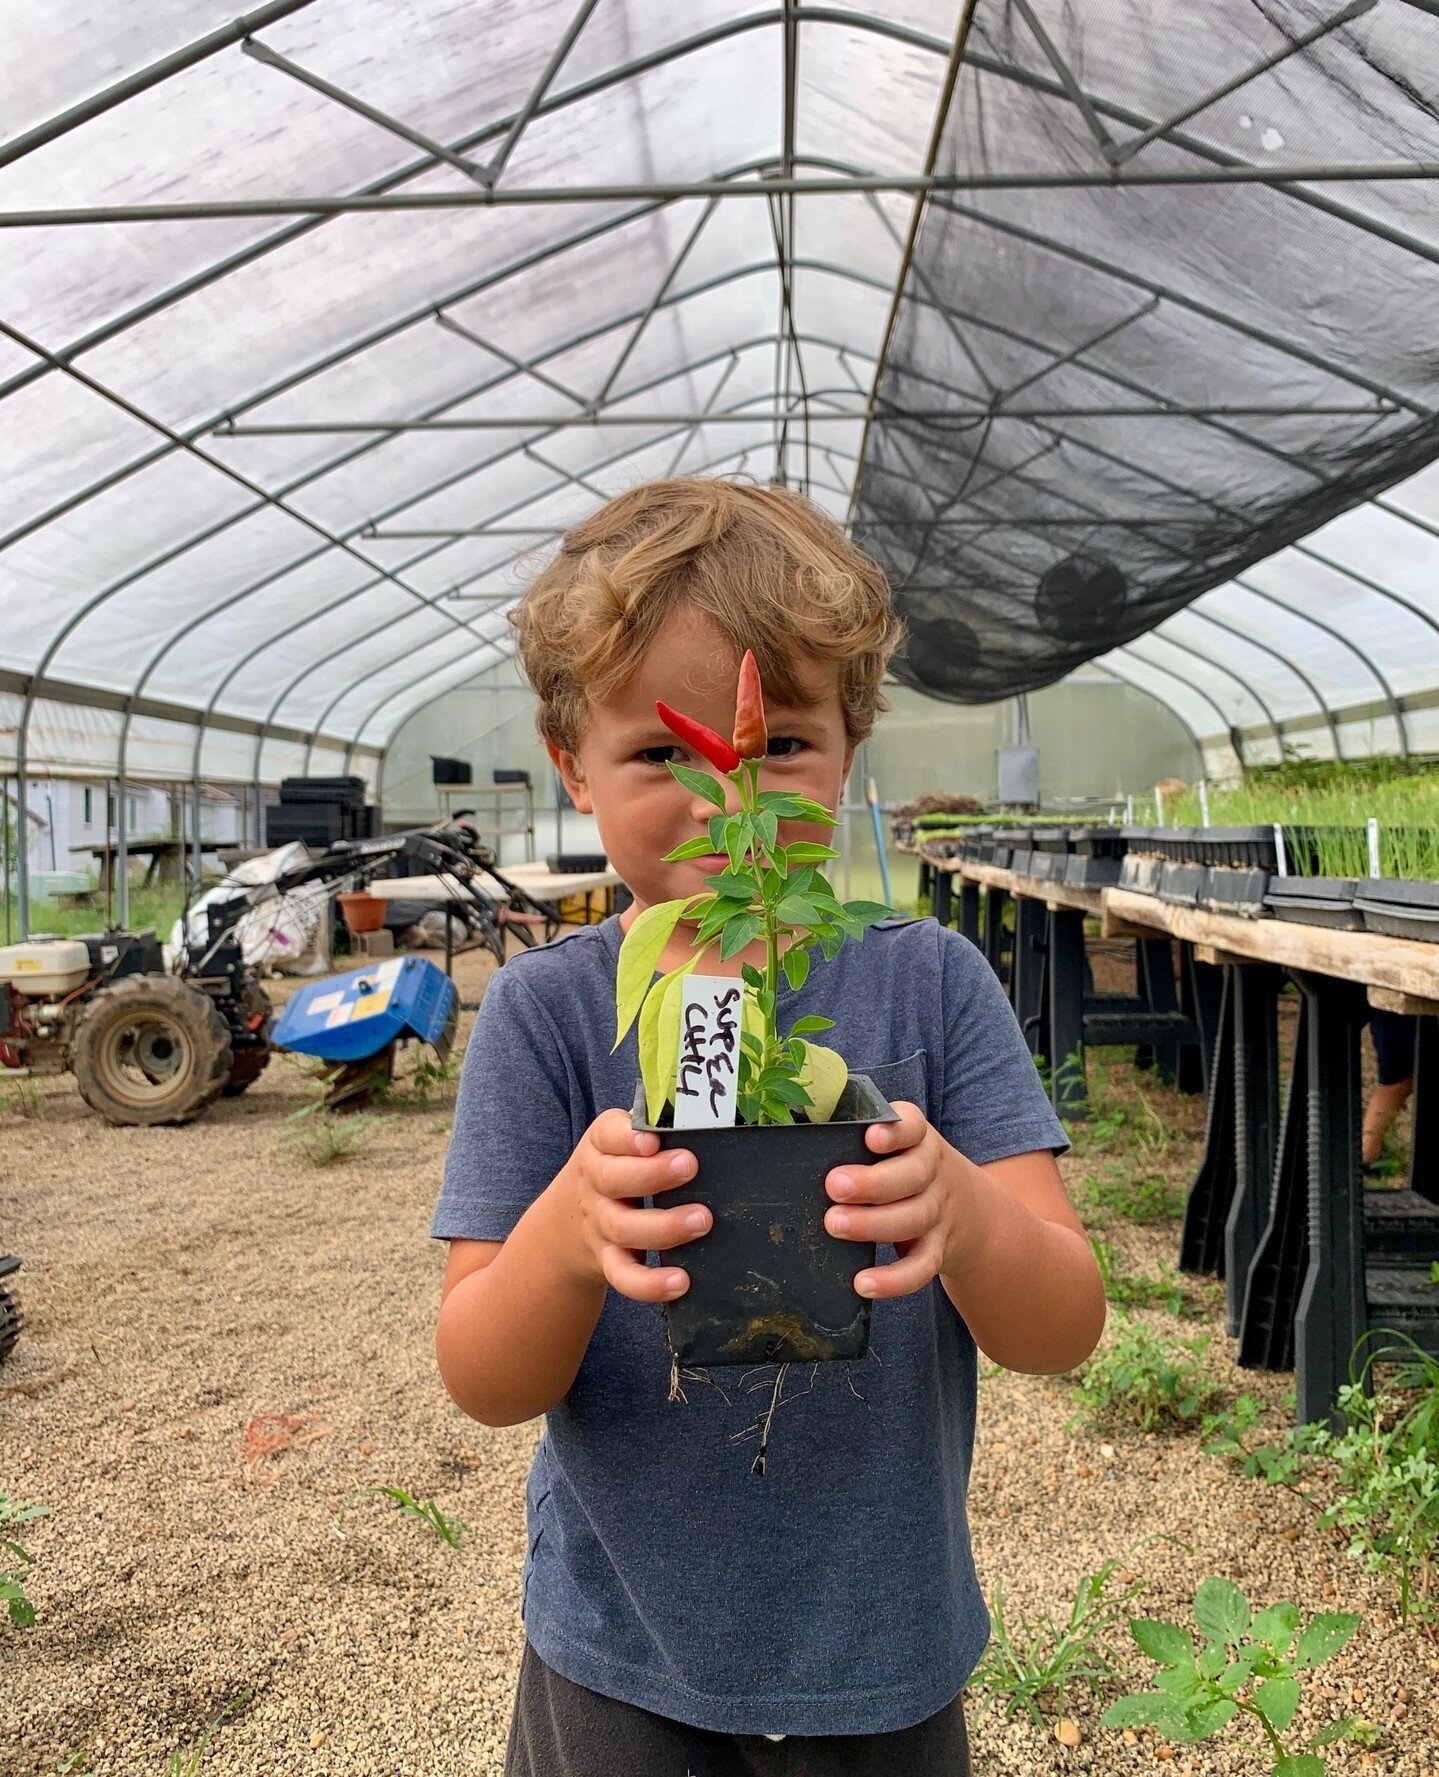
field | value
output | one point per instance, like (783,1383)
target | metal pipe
(1196,610)
(538,91)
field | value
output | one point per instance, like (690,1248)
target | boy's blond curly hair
(772,570)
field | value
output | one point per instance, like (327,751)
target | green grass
(148,907)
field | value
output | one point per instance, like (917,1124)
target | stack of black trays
(321,811)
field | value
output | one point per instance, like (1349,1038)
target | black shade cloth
(1019,548)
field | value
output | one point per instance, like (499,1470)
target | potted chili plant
(768,1283)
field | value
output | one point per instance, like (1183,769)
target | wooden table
(1317,1268)
(160,852)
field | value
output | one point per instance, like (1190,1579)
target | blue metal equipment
(353,1017)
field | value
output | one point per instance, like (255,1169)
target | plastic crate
(1316,901)
(1400,909)
(346,791)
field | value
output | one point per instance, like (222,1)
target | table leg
(1203,989)
(926,871)
(995,936)
(1271,1285)
(1254,1026)
(1027,974)
(942,901)
(1154,973)
(969,910)
(1064,967)
(1206,1208)
(1424,1150)
(1333,1312)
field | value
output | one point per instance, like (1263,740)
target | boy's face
(621,772)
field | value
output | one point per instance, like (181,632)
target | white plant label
(709,1052)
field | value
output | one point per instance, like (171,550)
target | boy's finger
(919,1266)
(885,1181)
(640,1282)
(888,1138)
(910,1219)
(630,1177)
(613,1133)
(653,1230)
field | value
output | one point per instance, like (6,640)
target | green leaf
(701,783)
(692,848)
(1144,1709)
(719,827)
(868,913)
(736,841)
(1276,1625)
(1324,1637)
(1278,1698)
(810,810)
(740,930)
(1299,1764)
(752,975)
(810,1025)
(733,885)
(766,826)
(788,1092)
(1165,1642)
(797,910)
(795,963)
(1212,1660)
(1221,1610)
(640,953)
(781,803)
(1207,1719)
(1335,1731)
(805,851)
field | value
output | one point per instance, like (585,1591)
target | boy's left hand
(918,1199)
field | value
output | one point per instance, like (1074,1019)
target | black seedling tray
(1092,873)
(1048,866)
(1236,892)
(1055,839)
(1021,860)
(1182,884)
(1316,901)
(1400,909)
(1140,872)
(1098,842)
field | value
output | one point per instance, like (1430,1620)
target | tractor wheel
(251,1061)
(247,1067)
(148,1049)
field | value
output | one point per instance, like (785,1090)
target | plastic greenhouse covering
(1109,327)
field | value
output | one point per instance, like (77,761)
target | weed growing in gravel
(22,1099)
(1028,1658)
(183,1763)
(12,1578)
(322,1136)
(1140,1197)
(430,1081)
(73,1764)
(1380,1472)
(1144,1379)
(1132,1289)
(449,1530)
(1247,1666)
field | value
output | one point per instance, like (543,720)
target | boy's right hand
(613,1165)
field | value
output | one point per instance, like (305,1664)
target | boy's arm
(514,1321)
(1022,1273)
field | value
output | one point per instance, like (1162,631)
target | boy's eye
(650,755)
(783,746)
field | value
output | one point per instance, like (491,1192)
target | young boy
(685,1617)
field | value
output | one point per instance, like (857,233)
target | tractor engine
(42,982)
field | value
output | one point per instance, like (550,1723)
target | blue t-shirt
(836,1593)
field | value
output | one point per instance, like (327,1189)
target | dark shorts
(560,1729)
(1393,1036)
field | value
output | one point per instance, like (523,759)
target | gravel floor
(227,1345)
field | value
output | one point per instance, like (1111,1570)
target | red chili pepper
(751,737)
(705,741)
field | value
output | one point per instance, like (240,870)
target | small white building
(65,816)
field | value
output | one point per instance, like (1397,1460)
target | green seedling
(1027,1658)
(1145,1198)
(1144,1379)
(322,1137)
(184,1762)
(22,1099)
(1128,1290)
(12,1577)
(1281,1463)
(449,1530)
(1248,1666)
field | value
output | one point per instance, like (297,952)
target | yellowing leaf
(659,1038)
(824,1077)
(639,956)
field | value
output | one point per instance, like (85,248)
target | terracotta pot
(362,912)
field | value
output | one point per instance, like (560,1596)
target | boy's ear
(568,767)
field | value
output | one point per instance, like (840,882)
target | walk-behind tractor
(150,1045)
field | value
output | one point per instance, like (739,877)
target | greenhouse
(1050,394)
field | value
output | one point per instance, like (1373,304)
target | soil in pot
(1316,901)
(768,1283)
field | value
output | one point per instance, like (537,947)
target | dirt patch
(227,1347)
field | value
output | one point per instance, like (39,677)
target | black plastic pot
(1048,866)
(1055,839)
(1400,909)
(1093,873)
(1098,842)
(1316,901)
(1236,892)
(1021,860)
(1140,872)
(1182,884)
(768,1284)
